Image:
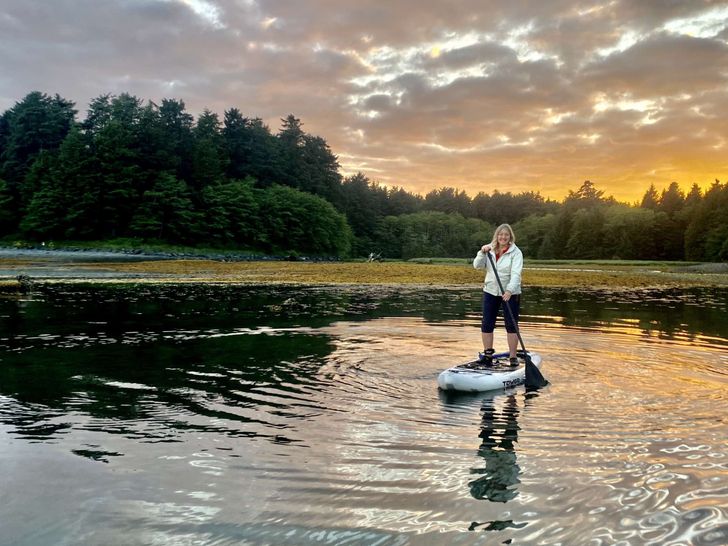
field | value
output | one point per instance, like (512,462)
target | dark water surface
(238,415)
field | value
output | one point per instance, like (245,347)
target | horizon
(527,97)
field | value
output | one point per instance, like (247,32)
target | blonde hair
(495,246)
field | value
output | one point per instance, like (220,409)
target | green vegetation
(134,170)
(135,246)
(577,275)
(152,173)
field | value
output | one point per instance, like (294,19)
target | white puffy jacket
(509,268)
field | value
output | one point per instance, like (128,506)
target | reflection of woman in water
(499,431)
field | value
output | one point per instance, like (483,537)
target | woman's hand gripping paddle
(534,377)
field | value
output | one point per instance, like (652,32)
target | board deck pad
(499,364)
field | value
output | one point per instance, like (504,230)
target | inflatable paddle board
(477,377)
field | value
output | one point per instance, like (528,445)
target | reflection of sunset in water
(209,414)
(631,416)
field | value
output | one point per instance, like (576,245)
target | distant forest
(152,172)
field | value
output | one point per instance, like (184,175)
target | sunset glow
(514,96)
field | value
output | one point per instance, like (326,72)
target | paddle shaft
(506,305)
(534,378)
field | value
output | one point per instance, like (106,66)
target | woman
(509,263)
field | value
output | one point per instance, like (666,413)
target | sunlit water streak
(255,424)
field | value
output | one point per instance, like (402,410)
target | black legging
(491,305)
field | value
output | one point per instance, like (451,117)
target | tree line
(153,172)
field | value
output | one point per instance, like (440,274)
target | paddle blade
(534,377)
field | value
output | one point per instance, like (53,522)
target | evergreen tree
(231,213)
(234,136)
(8,219)
(431,234)
(44,219)
(629,233)
(149,143)
(262,150)
(295,220)
(706,237)
(209,160)
(650,199)
(449,200)
(669,237)
(691,209)
(399,201)
(65,203)
(694,196)
(585,197)
(4,132)
(121,180)
(554,244)
(134,168)
(252,149)
(76,174)
(670,225)
(362,211)
(586,234)
(34,124)
(320,170)
(672,200)
(530,202)
(166,212)
(176,125)
(390,237)
(40,170)
(126,110)
(506,208)
(98,115)
(532,230)
(568,236)
(291,138)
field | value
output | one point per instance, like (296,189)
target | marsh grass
(449,272)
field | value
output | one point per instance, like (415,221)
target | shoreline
(24,270)
(146,254)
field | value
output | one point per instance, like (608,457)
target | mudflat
(60,267)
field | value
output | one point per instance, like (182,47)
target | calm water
(228,415)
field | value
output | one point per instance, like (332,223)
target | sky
(478,95)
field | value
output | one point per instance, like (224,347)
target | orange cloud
(512,96)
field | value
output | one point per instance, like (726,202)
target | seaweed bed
(19,274)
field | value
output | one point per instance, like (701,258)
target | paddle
(534,377)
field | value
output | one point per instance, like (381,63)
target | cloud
(477,95)
(484,53)
(662,65)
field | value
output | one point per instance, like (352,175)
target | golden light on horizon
(510,96)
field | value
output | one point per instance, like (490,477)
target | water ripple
(332,431)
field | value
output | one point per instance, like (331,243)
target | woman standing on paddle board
(509,262)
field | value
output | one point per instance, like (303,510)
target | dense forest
(152,172)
